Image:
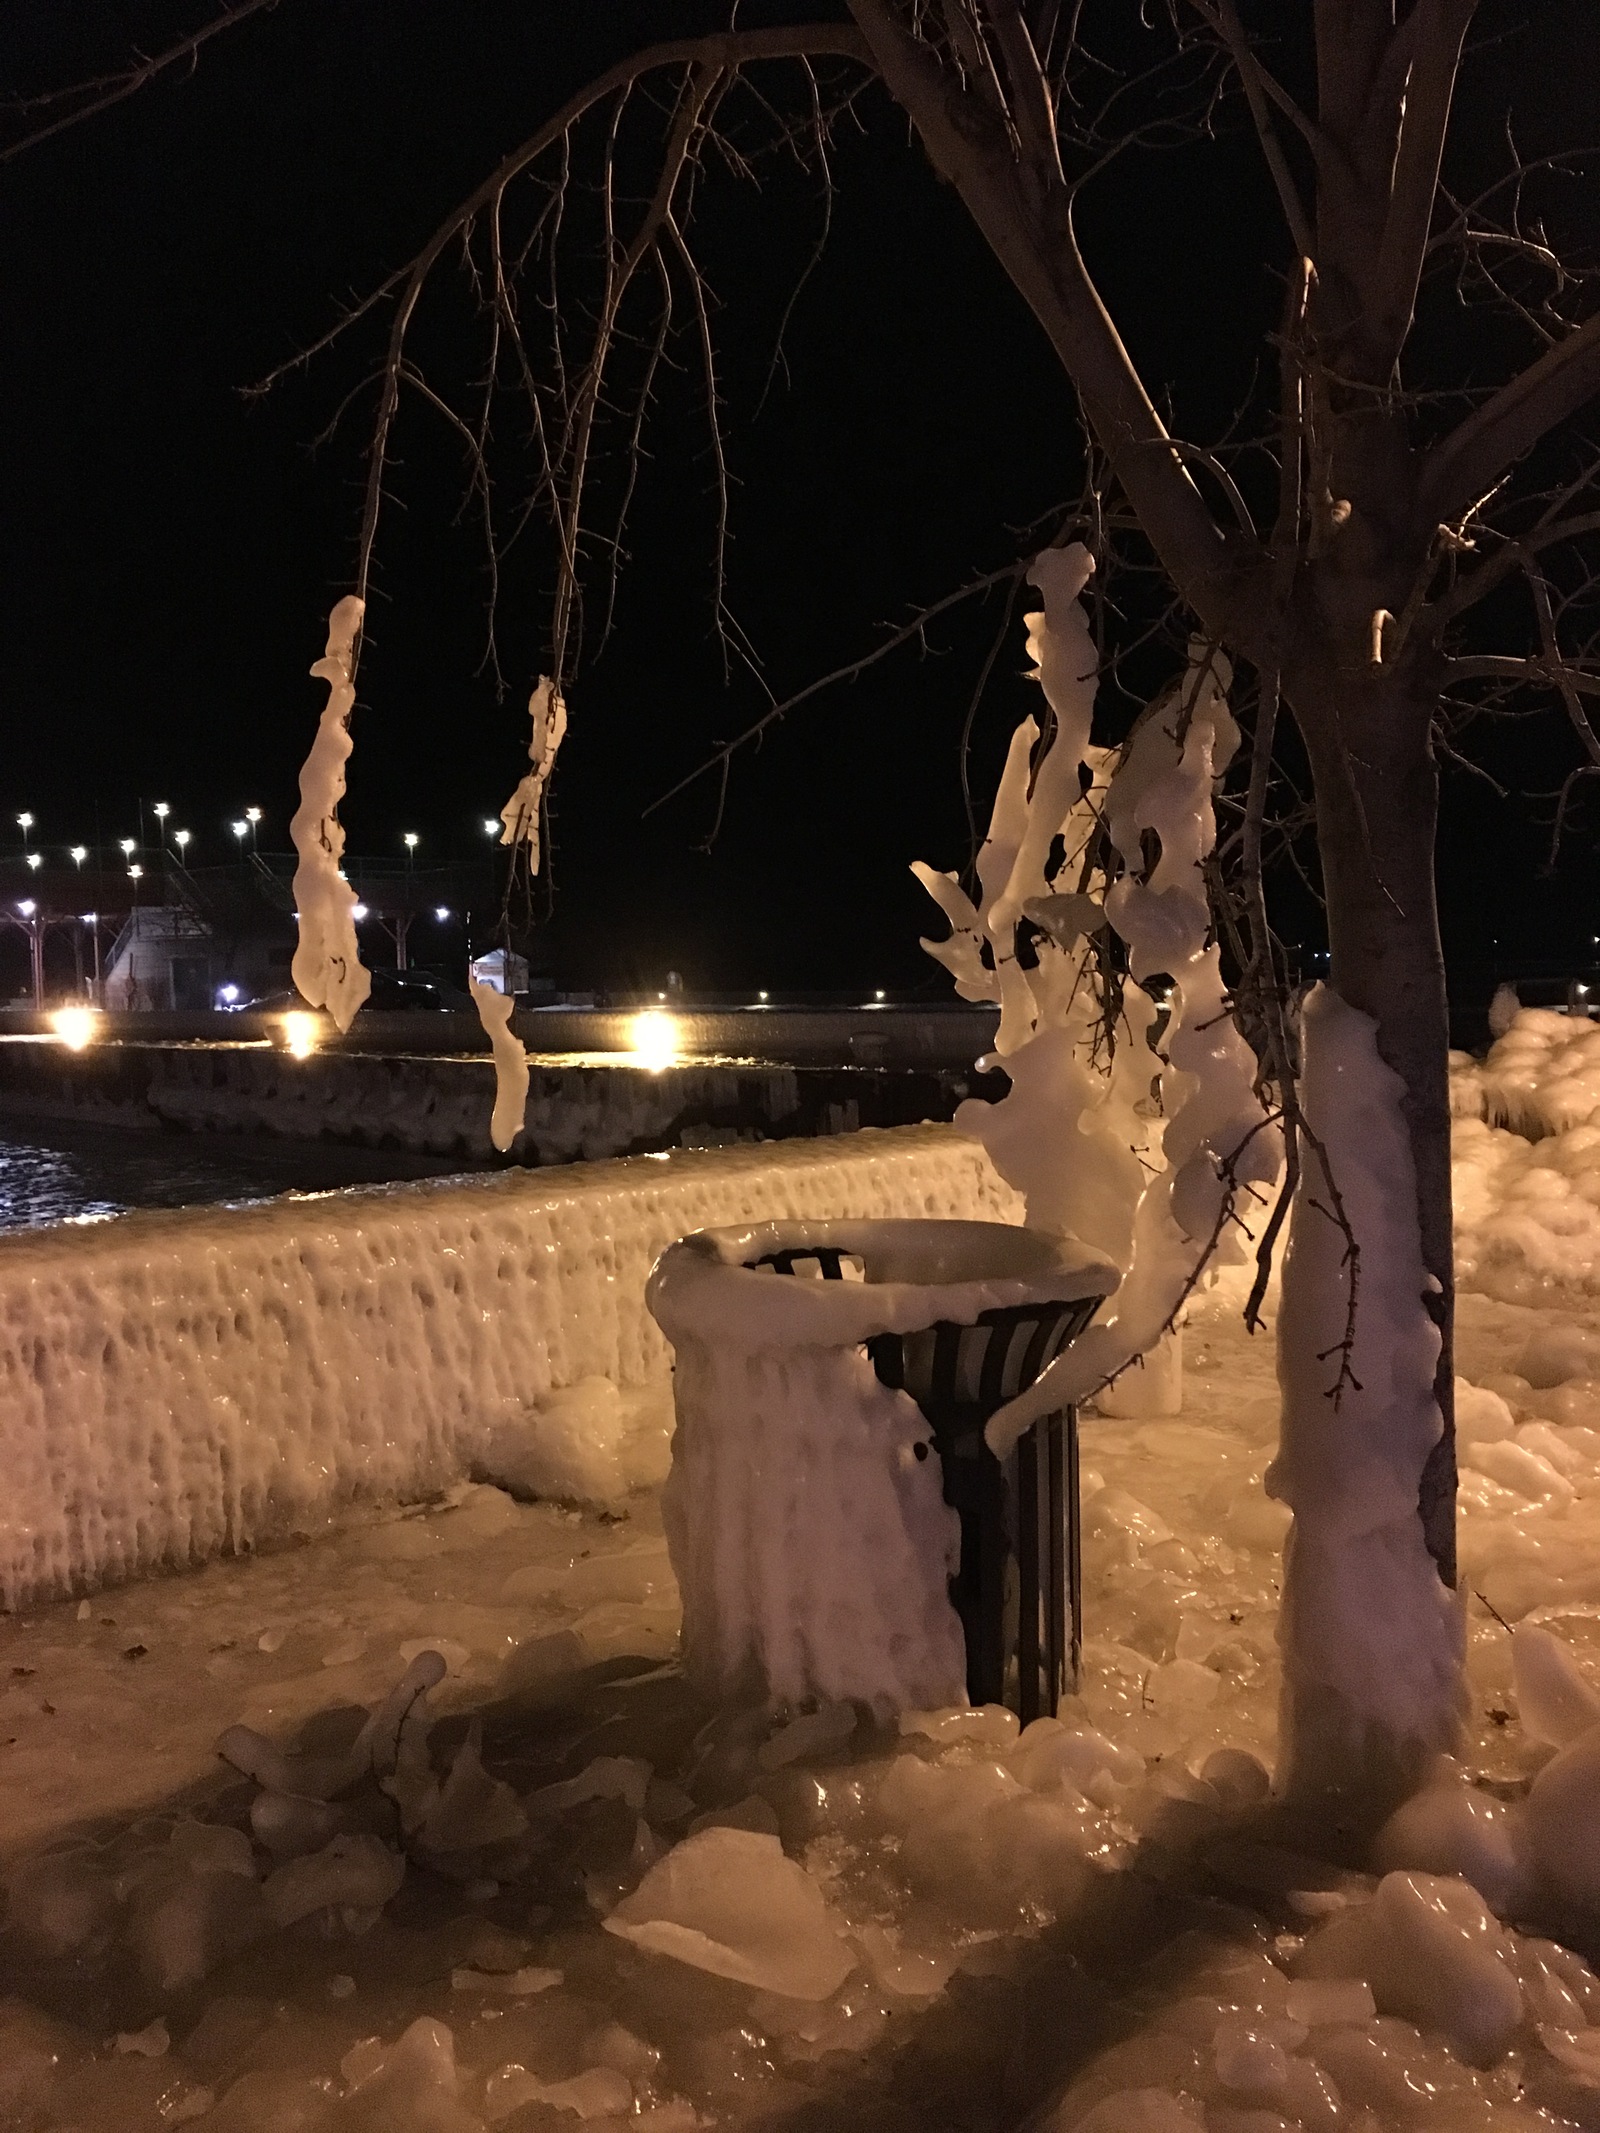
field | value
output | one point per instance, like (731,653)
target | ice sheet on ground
(999,1965)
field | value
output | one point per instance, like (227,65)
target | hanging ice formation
(327,968)
(495,1010)
(521,813)
(1078,1133)
(521,817)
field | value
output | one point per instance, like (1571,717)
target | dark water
(66,1174)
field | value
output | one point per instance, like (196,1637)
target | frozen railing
(180,1384)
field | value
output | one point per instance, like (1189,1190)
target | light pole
(410,843)
(33,926)
(78,855)
(252,815)
(241,830)
(181,839)
(161,812)
(25,823)
(92,920)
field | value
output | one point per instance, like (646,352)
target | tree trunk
(1377,798)
(1371,1629)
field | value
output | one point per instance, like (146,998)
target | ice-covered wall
(174,1385)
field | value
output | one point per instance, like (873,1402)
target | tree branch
(1036,245)
(117,88)
(1437,30)
(1471,459)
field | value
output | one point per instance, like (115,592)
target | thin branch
(1012,573)
(117,88)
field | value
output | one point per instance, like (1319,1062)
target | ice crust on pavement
(1098,1925)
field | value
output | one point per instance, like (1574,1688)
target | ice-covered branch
(327,968)
(495,1010)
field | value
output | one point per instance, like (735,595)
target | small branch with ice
(327,967)
(1076,1133)
(522,817)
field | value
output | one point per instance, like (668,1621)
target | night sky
(169,548)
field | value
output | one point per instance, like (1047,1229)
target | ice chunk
(1448,1829)
(598,2092)
(1138,2111)
(608,1777)
(1554,1701)
(1432,1952)
(495,1010)
(354,1872)
(990,1725)
(1561,1823)
(1049,1753)
(1238,1778)
(1321,2001)
(569,1445)
(472,1809)
(1557,1353)
(728,1901)
(327,967)
(409,2086)
(1482,1416)
(816,1733)
(1514,1466)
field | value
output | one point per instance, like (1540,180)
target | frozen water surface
(78,1174)
(555,1890)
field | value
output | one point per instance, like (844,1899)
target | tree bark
(1377,799)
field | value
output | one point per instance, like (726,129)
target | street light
(241,830)
(161,812)
(27,907)
(135,873)
(441,912)
(78,855)
(25,823)
(127,847)
(358,911)
(492,825)
(410,840)
(181,839)
(35,859)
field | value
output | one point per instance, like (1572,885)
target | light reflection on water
(71,1175)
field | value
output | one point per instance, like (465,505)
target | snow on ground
(585,1899)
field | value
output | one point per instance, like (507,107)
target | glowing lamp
(34,860)
(76,1027)
(653,1040)
(27,907)
(301,1035)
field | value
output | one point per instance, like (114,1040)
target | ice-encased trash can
(838,1526)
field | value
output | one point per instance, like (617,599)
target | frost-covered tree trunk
(1371,1630)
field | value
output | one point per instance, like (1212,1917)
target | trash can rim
(705,1286)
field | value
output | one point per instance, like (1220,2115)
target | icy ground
(579,1901)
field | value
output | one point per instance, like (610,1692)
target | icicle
(521,812)
(327,967)
(510,1063)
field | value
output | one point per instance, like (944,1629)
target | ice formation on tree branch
(1075,1132)
(327,968)
(522,811)
(495,1010)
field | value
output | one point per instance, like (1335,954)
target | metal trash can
(1016,1589)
